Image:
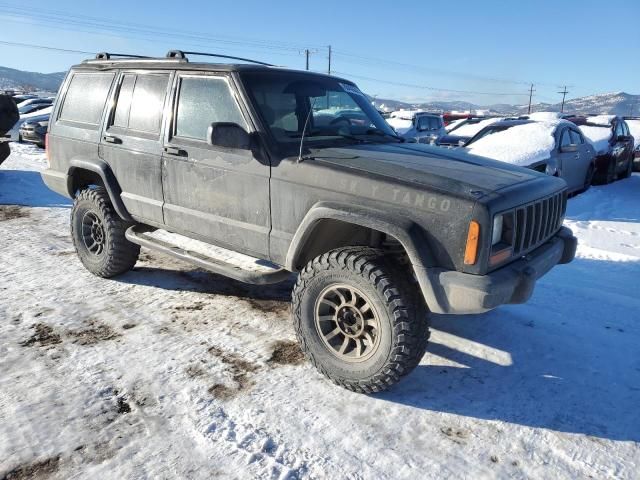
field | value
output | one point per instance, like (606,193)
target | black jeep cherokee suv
(255,172)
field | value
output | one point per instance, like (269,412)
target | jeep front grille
(538,221)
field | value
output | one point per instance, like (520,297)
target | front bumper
(454,292)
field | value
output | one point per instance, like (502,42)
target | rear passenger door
(220,195)
(131,143)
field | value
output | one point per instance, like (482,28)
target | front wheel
(359,318)
(98,234)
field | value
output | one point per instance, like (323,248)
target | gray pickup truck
(257,172)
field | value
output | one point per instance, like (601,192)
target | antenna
(304,129)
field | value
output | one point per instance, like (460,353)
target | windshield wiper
(381,133)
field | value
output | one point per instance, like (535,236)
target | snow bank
(604,120)
(520,145)
(470,129)
(634,127)
(598,136)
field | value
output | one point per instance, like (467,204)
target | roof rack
(108,56)
(179,54)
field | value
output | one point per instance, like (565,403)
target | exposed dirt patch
(38,470)
(240,369)
(276,307)
(11,212)
(43,336)
(96,332)
(64,253)
(129,326)
(195,306)
(122,405)
(457,436)
(223,392)
(194,371)
(286,352)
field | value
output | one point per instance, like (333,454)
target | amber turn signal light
(471,252)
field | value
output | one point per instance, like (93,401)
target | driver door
(217,194)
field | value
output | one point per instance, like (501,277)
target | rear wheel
(98,234)
(359,319)
(588,179)
(629,170)
(610,175)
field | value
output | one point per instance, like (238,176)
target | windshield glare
(339,110)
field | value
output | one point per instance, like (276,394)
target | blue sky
(418,51)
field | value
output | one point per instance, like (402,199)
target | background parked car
(35,131)
(634,127)
(613,143)
(555,147)
(422,127)
(13,135)
(33,104)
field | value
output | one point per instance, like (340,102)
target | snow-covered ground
(170,372)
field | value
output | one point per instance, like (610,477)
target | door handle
(175,151)
(112,139)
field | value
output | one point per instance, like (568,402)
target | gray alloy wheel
(347,323)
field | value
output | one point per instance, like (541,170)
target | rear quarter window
(86,97)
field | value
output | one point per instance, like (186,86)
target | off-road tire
(403,317)
(117,255)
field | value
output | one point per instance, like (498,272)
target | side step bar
(244,269)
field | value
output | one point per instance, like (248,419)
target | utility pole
(329,67)
(564,94)
(531,90)
(306,54)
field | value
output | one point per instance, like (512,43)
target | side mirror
(228,135)
(569,148)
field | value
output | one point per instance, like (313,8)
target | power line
(424,87)
(44,47)
(70,19)
(366,60)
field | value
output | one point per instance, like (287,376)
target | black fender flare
(102,169)
(408,233)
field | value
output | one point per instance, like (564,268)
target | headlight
(496,236)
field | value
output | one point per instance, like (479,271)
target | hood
(439,169)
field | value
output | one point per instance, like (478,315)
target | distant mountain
(19,79)
(617,103)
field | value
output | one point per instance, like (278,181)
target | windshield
(488,131)
(339,110)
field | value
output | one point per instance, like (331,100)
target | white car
(13,135)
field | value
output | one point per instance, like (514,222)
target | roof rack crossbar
(108,55)
(183,55)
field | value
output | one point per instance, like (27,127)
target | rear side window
(202,101)
(566,138)
(85,97)
(140,102)
(576,137)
